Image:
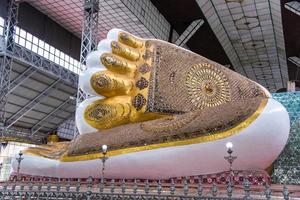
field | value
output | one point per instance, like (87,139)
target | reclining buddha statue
(163,111)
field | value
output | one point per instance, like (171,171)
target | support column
(295,60)
(293,6)
(88,40)
(291,86)
(189,32)
(5,60)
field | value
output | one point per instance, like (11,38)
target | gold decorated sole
(206,138)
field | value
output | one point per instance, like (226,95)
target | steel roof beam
(253,43)
(6,61)
(20,79)
(40,124)
(295,60)
(41,103)
(18,115)
(189,32)
(32,59)
(293,6)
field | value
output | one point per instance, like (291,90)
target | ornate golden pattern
(130,40)
(148,54)
(125,51)
(139,101)
(124,84)
(169,125)
(107,113)
(109,84)
(117,64)
(207,86)
(217,136)
(144,68)
(142,83)
(103,81)
(100,112)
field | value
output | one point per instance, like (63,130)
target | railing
(90,189)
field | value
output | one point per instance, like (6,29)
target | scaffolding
(88,40)
(5,60)
(12,52)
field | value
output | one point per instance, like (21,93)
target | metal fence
(91,189)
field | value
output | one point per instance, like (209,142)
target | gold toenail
(108,60)
(125,52)
(130,40)
(117,64)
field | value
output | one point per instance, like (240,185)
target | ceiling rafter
(40,124)
(20,79)
(189,32)
(251,35)
(293,6)
(18,115)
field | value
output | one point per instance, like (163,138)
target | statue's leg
(158,78)
(179,110)
(145,150)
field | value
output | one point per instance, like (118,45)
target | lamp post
(103,158)
(3,146)
(230,158)
(1,165)
(19,159)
